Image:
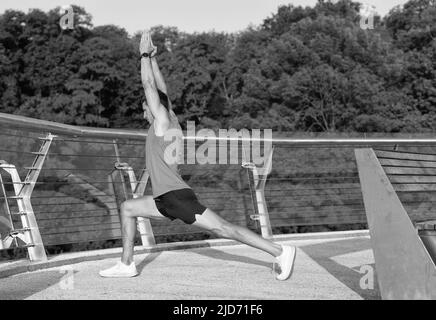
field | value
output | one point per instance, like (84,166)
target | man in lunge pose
(172,197)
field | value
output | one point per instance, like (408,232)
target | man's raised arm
(148,81)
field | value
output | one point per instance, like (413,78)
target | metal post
(29,233)
(8,211)
(259,178)
(111,187)
(243,174)
(144,225)
(138,188)
(123,181)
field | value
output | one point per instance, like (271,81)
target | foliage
(305,69)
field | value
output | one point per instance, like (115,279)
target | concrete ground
(324,269)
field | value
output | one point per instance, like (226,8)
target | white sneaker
(120,270)
(286,262)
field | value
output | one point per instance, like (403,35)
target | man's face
(147,113)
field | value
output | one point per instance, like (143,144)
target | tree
(413,28)
(302,69)
(194,74)
(414,25)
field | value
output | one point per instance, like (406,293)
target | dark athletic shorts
(180,204)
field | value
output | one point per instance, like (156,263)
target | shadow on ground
(147,260)
(323,254)
(29,284)
(221,255)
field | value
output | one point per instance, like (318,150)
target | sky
(186,15)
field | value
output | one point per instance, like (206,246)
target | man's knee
(127,209)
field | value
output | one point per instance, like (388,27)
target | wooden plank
(405,155)
(173,228)
(405,269)
(410,171)
(313,207)
(315,203)
(322,193)
(414,187)
(74,215)
(85,236)
(412,179)
(312,224)
(345,216)
(407,163)
(417,197)
(420,214)
(310,185)
(286,213)
(81,182)
(97,223)
(80,229)
(336,196)
(317,222)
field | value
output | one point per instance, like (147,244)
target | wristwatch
(145,55)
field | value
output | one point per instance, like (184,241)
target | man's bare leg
(131,209)
(144,207)
(210,221)
(128,231)
(285,255)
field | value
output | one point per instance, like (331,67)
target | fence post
(29,233)
(138,188)
(8,212)
(259,178)
(117,155)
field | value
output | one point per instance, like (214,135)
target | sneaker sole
(119,276)
(292,267)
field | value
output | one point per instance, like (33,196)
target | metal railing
(312,182)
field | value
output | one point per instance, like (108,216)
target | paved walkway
(325,269)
